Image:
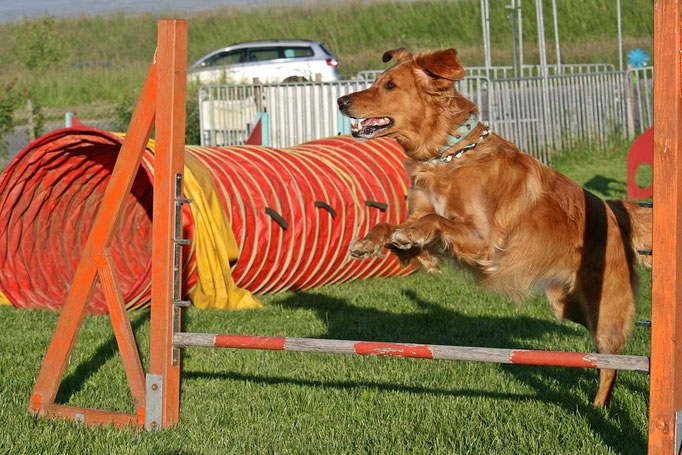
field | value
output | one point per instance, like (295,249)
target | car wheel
(295,79)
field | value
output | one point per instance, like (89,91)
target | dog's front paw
(364,248)
(403,238)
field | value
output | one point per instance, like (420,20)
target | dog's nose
(344,101)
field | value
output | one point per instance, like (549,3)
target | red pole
(666,308)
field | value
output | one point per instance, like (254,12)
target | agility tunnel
(262,220)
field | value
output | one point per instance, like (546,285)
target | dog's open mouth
(368,127)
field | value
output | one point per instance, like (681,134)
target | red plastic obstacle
(641,151)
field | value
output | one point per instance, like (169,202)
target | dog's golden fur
(514,222)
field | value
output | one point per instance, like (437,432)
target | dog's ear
(400,55)
(442,67)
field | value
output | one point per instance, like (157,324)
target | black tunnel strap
(645,203)
(379,205)
(327,207)
(277,217)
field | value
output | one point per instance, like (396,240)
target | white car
(269,61)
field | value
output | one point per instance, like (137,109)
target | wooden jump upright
(665,414)
(156,397)
(162,98)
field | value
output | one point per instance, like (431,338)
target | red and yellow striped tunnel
(292,213)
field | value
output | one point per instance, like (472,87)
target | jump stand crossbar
(420,351)
(156,397)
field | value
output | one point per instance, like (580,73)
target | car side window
(224,58)
(264,53)
(297,52)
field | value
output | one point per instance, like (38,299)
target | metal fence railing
(508,72)
(540,115)
(297,112)
(641,98)
(537,114)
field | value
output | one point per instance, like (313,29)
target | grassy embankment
(357,33)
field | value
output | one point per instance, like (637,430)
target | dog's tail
(641,219)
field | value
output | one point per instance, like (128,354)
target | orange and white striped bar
(421,351)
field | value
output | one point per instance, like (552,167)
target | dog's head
(412,101)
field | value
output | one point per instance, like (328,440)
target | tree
(40,44)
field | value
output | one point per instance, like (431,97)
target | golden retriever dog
(515,223)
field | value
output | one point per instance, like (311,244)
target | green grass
(283,402)
(601,172)
(357,32)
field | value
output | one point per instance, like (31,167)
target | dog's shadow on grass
(606,186)
(437,324)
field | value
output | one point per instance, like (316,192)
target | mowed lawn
(240,401)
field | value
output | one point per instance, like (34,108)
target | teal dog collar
(460,133)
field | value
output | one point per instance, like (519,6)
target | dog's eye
(389,85)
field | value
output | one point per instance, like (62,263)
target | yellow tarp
(214,242)
(4,300)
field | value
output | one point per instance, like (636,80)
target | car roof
(267,43)
(274,41)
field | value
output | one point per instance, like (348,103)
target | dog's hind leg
(571,307)
(607,378)
(610,335)
(607,315)
(609,323)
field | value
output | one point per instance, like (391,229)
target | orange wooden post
(666,317)
(171,59)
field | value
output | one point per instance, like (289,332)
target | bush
(10,98)
(40,44)
(38,117)
(192,127)
(124,112)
